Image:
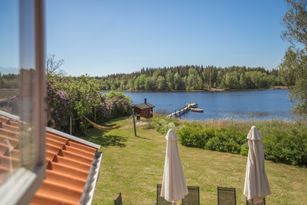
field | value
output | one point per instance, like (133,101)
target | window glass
(9,87)
(21,89)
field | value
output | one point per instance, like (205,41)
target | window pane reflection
(19,142)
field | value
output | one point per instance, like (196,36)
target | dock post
(134,126)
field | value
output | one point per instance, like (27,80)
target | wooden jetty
(183,110)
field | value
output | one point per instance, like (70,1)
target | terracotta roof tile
(47,199)
(68,164)
(73,163)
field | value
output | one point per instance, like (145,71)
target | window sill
(21,186)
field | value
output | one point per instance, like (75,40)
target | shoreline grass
(134,165)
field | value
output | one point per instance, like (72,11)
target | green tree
(131,84)
(170,79)
(161,83)
(295,22)
(294,72)
(194,81)
(178,82)
(231,80)
(294,67)
(139,82)
(243,81)
(84,94)
(288,68)
(150,84)
(259,79)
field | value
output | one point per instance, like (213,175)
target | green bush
(284,142)
(244,149)
(231,140)
(195,135)
(162,125)
(218,139)
(287,144)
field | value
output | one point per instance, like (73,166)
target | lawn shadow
(98,137)
(142,137)
(114,121)
(113,140)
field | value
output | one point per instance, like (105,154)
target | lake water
(241,105)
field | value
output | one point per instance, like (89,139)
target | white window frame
(21,186)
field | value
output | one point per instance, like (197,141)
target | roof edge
(140,104)
(71,137)
(9,115)
(89,187)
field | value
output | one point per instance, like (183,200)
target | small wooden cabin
(143,110)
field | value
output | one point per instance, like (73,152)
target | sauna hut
(143,110)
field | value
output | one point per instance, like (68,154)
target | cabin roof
(72,165)
(144,106)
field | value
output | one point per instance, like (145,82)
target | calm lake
(241,105)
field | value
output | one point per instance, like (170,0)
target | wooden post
(70,125)
(134,126)
(95,118)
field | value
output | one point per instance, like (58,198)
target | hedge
(284,142)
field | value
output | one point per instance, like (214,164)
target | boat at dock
(196,109)
(192,105)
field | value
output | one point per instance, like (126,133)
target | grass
(134,165)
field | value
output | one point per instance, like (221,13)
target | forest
(189,77)
(192,77)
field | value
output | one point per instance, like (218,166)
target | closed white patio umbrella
(256,185)
(173,183)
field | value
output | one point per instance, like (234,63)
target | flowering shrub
(80,97)
(59,107)
(114,104)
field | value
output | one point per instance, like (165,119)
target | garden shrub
(218,139)
(225,140)
(162,125)
(244,149)
(284,142)
(194,135)
(114,104)
(287,145)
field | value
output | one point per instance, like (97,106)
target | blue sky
(100,37)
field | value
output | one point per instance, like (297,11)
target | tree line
(8,80)
(193,77)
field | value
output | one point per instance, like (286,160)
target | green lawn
(134,165)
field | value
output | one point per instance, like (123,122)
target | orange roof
(72,165)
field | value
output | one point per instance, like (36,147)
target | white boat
(193,105)
(197,110)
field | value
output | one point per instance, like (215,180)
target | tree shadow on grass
(142,137)
(108,140)
(98,137)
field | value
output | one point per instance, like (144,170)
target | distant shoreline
(212,90)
